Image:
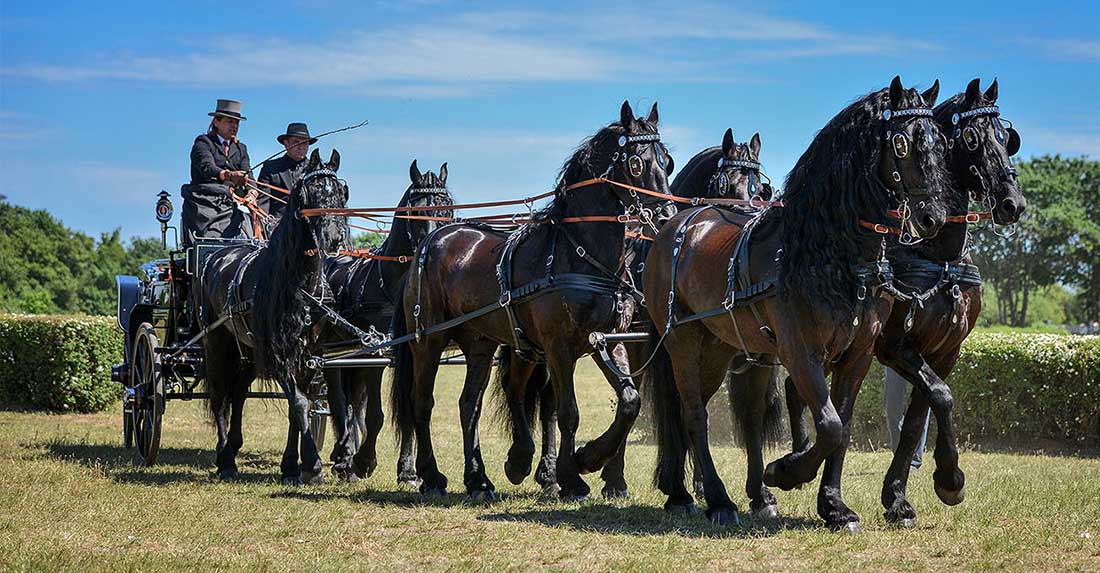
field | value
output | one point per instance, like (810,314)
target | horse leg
(595,454)
(546,474)
(796,409)
(699,371)
(338,405)
(757,378)
(220,370)
(517,382)
(367,402)
(847,378)
(479,364)
(425,363)
(807,370)
(898,509)
(311,466)
(569,479)
(237,396)
(613,471)
(291,472)
(949,479)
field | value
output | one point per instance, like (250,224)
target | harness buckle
(505,298)
(973,217)
(581,252)
(861,292)
(956,292)
(416,311)
(624,219)
(402,259)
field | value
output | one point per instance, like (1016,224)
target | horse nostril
(927,221)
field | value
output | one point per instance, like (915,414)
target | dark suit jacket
(208,211)
(282,172)
(208,158)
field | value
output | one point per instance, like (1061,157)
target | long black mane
(834,184)
(281,314)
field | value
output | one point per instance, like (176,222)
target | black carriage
(163,355)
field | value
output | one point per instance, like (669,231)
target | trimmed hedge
(59,363)
(1017,389)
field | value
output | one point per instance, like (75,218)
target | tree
(1057,240)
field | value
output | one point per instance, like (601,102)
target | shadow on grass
(648,520)
(174,465)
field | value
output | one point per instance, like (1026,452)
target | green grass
(71,500)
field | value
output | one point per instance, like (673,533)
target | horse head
(910,159)
(320,188)
(739,173)
(981,145)
(426,189)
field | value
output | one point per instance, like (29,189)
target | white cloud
(465,54)
(1069,48)
(1065,142)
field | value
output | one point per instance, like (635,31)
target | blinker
(1013,145)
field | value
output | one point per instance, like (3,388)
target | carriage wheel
(147,382)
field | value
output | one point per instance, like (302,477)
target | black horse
(365,290)
(923,336)
(559,282)
(806,284)
(264,293)
(729,171)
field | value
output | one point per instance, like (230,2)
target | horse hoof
(484,496)
(413,483)
(313,479)
(292,481)
(550,493)
(228,475)
(851,528)
(906,523)
(584,464)
(517,472)
(612,492)
(949,497)
(724,517)
(364,469)
(682,509)
(766,513)
(433,492)
(574,497)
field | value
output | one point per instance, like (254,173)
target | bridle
(633,165)
(901,144)
(720,182)
(301,184)
(972,140)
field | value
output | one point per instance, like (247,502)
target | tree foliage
(48,268)
(1056,242)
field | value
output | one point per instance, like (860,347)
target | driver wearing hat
(219,163)
(285,171)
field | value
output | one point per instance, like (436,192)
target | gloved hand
(236,178)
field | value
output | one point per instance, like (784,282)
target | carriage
(163,354)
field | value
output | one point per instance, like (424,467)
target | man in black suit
(285,171)
(219,166)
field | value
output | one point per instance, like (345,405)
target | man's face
(227,126)
(296,147)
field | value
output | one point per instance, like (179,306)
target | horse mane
(279,315)
(835,183)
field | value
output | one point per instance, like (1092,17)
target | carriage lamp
(164,214)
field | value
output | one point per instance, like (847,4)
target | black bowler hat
(297,130)
(228,108)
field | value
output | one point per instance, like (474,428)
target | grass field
(71,500)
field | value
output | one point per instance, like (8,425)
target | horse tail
(401,391)
(666,410)
(744,399)
(532,394)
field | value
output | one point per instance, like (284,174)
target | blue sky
(99,102)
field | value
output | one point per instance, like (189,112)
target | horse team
(862,256)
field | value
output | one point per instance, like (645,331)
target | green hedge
(1016,389)
(59,363)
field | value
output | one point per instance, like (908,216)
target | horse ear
(334,160)
(653,116)
(991,93)
(626,115)
(897,93)
(314,159)
(727,142)
(414,173)
(754,145)
(973,91)
(443,174)
(929,96)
